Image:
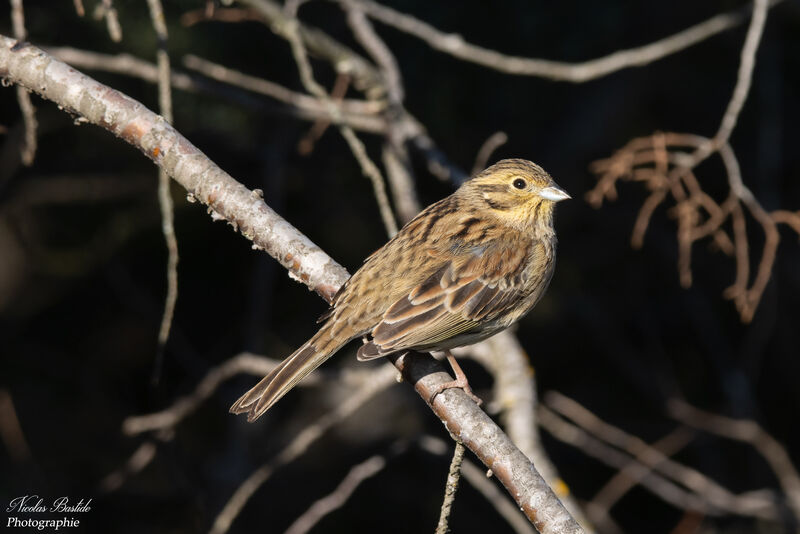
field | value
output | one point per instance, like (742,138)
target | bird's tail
(284,377)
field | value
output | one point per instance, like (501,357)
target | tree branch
(456,46)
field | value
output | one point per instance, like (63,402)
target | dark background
(82,267)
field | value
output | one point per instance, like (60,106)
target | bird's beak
(554,193)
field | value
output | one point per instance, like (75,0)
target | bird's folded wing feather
(466,291)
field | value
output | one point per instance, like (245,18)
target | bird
(466,267)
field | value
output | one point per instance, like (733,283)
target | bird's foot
(460,382)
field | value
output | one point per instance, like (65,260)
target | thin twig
(629,476)
(396,162)
(356,146)
(303,106)
(229,14)
(481,481)
(186,405)
(492,143)
(141,458)
(365,78)
(335,500)
(29,143)
(233,77)
(306,144)
(384,377)
(454,45)
(663,162)
(450,489)
(654,482)
(746,431)
(745,76)
(720,497)
(395,156)
(107,10)
(164,196)
(378,51)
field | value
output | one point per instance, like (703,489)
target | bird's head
(518,192)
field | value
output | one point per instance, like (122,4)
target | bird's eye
(519,183)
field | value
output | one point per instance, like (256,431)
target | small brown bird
(462,270)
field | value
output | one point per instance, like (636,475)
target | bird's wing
(469,289)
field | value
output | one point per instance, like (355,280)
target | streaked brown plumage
(464,269)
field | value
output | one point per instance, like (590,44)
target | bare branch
(652,481)
(377,49)
(492,143)
(395,156)
(747,431)
(141,458)
(184,406)
(396,163)
(342,58)
(745,76)
(450,489)
(356,146)
(515,397)
(382,378)
(629,476)
(306,145)
(164,197)
(302,106)
(365,77)
(226,75)
(358,474)
(28,148)
(107,10)
(454,45)
(753,504)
